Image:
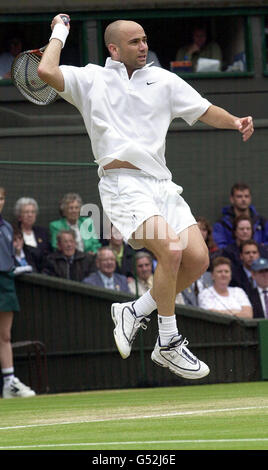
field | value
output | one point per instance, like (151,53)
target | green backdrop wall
(49,159)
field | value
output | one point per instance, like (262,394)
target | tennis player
(127,107)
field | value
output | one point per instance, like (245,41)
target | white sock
(145,305)
(8,375)
(167,328)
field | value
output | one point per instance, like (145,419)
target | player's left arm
(221,119)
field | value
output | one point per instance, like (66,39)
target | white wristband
(60,31)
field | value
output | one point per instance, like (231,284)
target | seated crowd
(235,283)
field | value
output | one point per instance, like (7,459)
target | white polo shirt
(209,299)
(128,119)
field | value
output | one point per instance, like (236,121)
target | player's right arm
(49,70)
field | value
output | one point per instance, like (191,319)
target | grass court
(197,417)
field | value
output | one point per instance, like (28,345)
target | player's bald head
(126,42)
(114,31)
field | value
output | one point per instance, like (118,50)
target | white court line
(115,443)
(161,415)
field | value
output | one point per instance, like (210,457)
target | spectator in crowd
(105,276)
(241,273)
(24,258)
(200,47)
(259,295)
(220,297)
(13,48)
(12,386)
(242,230)
(68,262)
(144,276)
(240,200)
(124,254)
(206,231)
(36,238)
(86,238)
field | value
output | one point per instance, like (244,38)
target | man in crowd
(200,47)
(241,273)
(105,276)
(259,296)
(13,48)
(68,262)
(240,200)
(144,274)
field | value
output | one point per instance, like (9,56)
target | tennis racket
(25,77)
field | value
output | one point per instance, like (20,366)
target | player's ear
(114,51)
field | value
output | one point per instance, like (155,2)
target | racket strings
(25,77)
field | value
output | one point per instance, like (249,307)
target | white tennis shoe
(127,326)
(178,359)
(16,389)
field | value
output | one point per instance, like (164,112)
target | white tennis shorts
(130,197)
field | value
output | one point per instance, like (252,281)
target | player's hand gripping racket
(25,78)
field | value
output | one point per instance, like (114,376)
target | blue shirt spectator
(240,199)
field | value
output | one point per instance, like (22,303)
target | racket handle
(65,19)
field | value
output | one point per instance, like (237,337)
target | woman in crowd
(86,238)
(24,259)
(36,238)
(206,231)
(12,386)
(242,231)
(222,298)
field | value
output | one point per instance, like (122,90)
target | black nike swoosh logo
(150,83)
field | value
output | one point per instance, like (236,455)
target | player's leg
(170,349)
(155,235)
(195,259)
(175,355)
(165,246)
(127,200)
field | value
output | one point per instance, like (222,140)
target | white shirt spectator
(29,239)
(209,299)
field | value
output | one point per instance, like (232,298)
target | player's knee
(171,259)
(202,262)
